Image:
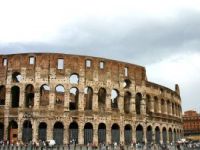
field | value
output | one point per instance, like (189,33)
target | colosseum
(84,99)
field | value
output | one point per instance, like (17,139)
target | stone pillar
(134,134)
(121,104)
(6,123)
(165,107)
(122,138)
(145,134)
(81,103)
(159,106)
(35,130)
(170,109)
(66,100)
(161,136)
(37,98)
(95,102)
(50,130)
(142,106)
(108,133)
(22,97)
(132,105)
(151,104)
(20,128)
(66,134)
(108,100)
(95,137)
(8,97)
(81,134)
(51,98)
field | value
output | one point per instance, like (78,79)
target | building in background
(191,125)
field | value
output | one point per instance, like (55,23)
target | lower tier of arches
(88,132)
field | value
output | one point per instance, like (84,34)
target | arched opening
(162,106)
(157,135)
(127,83)
(127,102)
(73,132)
(1,131)
(12,131)
(170,135)
(60,93)
(29,96)
(42,132)
(148,104)
(164,134)
(2,95)
(139,134)
(88,133)
(74,78)
(88,98)
(155,104)
(175,137)
(102,99)
(138,99)
(27,131)
(128,134)
(16,77)
(115,131)
(102,133)
(58,131)
(44,95)
(74,94)
(114,99)
(149,134)
(15,91)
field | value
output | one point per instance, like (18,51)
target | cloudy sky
(163,36)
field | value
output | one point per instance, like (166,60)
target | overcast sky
(163,36)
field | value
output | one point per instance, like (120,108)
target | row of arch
(169,135)
(171,108)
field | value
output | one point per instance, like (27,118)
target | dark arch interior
(102,126)
(139,127)
(128,127)
(73,125)
(88,126)
(27,124)
(13,124)
(15,96)
(115,126)
(43,125)
(58,125)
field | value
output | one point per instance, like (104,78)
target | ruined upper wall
(113,71)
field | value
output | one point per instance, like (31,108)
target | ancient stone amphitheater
(84,99)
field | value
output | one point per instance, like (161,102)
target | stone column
(145,134)
(122,138)
(66,100)
(95,137)
(37,98)
(161,136)
(22,97)
(6,123)
(50,130)
(151,104)
(20,128)
(51,98)
(95,102)
(108,133)
(81,134)
(132,105)
(108,100)
(8,97)
(35,130)
(81,103)
(66,134)
(170,109)
(134,134)
(121,104)
(142,106)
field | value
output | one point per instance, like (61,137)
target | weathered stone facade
(89,99)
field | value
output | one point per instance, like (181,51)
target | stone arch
(164,135)
(15,93)
(1,131)
(149,134)
(42,131)
(60,94)
(127,134)
(148,104)
(27,131)
(88,133)
(139,133)
(138,99)
(170,135)
(127,102)
(29,96)
(157,135)
(102,99)
(44,95)
(114,99)
(88,96)
(74,98)
(58,132)
(73,132)
(16,77)
(115,133)
(2,94)
(74,78)
(102,133)
(12,131)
